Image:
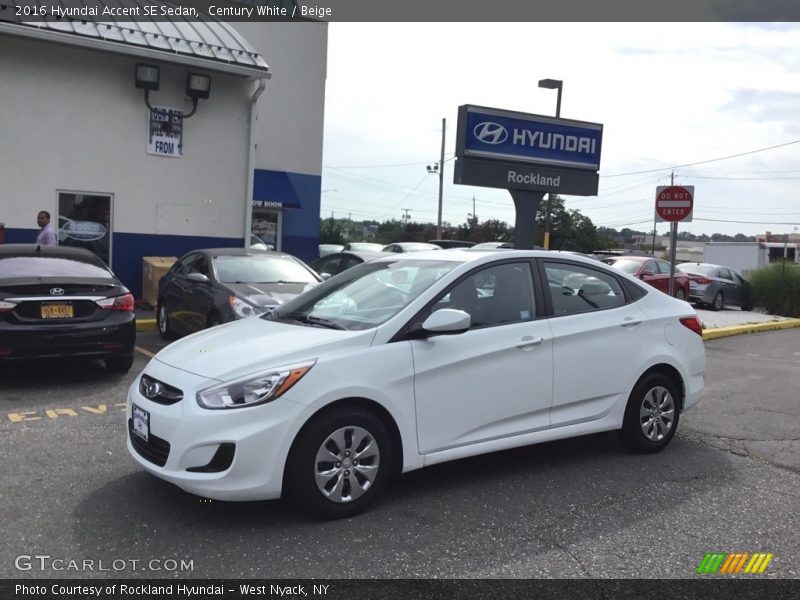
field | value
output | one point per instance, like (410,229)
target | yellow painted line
(55,413)
(144,351)
(766,562)
(720,332)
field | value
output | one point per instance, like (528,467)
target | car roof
(634,257)
(73,252)
(240,252)
(365,254)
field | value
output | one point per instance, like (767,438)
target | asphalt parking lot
(729,482)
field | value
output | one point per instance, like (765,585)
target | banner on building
(165,131)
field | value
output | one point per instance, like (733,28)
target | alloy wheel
(347,464)
(657,414)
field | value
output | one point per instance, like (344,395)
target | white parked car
(411,360)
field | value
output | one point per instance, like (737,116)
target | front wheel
(651,416)
(339,464)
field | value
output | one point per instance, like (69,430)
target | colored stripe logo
(734,563)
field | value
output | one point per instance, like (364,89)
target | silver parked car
(716,286)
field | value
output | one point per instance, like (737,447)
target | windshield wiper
(310,320)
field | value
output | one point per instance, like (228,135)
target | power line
(702,162)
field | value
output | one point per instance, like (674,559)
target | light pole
(551,84)
(439,168)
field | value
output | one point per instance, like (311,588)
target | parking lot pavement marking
(54,413)
(147,353)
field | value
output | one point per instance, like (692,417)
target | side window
(663,267)
(185,265)
(348,262)
(201,265)
(577,289)
(496,295)
(724,274)
(737,278)
(651,266)
(330,265)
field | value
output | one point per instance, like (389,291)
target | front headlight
(242,309)
(254,389)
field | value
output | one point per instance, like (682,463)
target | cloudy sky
(669,95)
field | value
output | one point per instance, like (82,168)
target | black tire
(300,481)
(162,321)
(118,364)
(718,303)
(680,294)
(649,422)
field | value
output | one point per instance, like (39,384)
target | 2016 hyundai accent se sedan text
(411,360)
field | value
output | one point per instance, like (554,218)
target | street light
(551,84)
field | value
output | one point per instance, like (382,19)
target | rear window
(626,266)
(50,266)
(695,268)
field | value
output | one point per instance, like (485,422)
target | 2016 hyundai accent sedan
(412,360)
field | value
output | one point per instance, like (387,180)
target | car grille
(154,449)
(158,391)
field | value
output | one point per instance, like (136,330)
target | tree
(330,232)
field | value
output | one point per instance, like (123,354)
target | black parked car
(209,287)
(58,301)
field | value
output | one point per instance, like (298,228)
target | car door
(656,278)
(174,290)
(199,294)
(727,285)
(494,380)
(598,337)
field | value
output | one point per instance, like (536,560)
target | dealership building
(154,138)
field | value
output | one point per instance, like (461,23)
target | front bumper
(186,437)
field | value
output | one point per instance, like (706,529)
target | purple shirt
(47,236)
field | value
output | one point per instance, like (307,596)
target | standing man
(47,236)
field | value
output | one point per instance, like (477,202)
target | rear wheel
(118,364)
(162,320)
(339,464)
(719,301)
(651,416)
(680,294)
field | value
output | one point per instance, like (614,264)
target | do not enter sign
(674,203)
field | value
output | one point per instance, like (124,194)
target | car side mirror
(325,276)
(448,321)
(644,274)
(198,277)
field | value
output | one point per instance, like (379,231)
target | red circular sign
(674,203)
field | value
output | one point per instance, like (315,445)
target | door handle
(528,342)
(628,322)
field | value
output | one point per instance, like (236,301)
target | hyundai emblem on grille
(57,291)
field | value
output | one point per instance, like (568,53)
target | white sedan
(411,360)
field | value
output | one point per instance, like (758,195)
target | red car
(653,271)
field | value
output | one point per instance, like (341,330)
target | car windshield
(256,268)
(50,266)
(695,268)
(364,296)
(626,266)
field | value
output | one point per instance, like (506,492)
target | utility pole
(406,217)
(551,84)
(474,214)
(441,184)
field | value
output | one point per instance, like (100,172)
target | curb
(720,332)
(145,324)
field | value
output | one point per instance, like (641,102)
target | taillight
(6,306)
(124,302)
(701,280)
(694,324)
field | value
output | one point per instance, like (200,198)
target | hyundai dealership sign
(513,150)
(513,136)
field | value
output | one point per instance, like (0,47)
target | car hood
(268,294)
(228,351)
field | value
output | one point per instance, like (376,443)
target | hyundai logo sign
(515,137)
(56,291)
(490,133)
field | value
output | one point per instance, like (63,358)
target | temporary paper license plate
(141,422)
(57,311)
